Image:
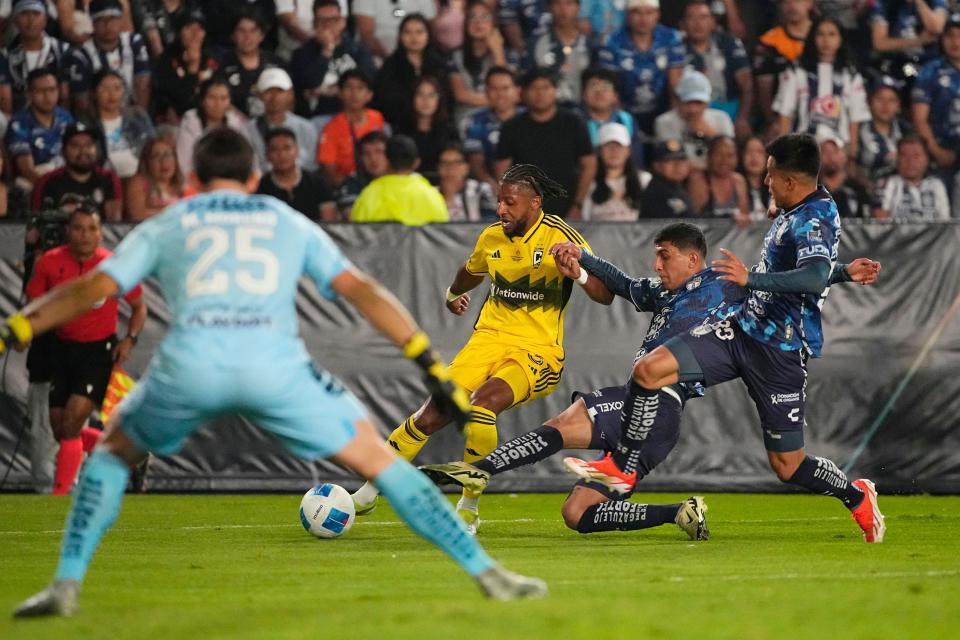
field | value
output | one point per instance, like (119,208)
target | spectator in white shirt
(275,89)
(911,195)
(692,121)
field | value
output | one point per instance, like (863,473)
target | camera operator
(86,349)
(82,178)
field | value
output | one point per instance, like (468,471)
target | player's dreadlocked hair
(533,176)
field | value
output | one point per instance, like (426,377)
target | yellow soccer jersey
(528,295)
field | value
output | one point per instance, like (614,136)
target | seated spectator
(482,50)
(378,23)
(823,94)
(125,128)
(372,153)
(601,104)
(81,179)
(431,129)
(482,128)
(415,56)
(158,182)
(31,49)
(402,195)
(722,58)
(616,191)
(276,91)
(851,198)
(295,18)
(317,66)
(753,168)
(220,31)
(75,19)
(563,48)
(468,200)
(666,195)
(158,22)
(185,65)
(648,58)
(554,139)
(243,65)
(34,138)
(213,110)
(911,195)
(336,155)
(692,121)
(521,21)
(877,152)
(110,47)
(719,191)
(448,26)
(777,50)
(936,110)
(906,29)
(300,188)
(600,18)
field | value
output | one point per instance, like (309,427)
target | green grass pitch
(777,566)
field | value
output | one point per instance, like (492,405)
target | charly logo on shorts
(784,398)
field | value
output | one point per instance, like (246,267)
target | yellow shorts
(531,374)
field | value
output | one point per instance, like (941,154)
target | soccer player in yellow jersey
(516,351)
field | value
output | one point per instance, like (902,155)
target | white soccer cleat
(499,584)
(867,514)
(58,599)
(691,519)
(471,519)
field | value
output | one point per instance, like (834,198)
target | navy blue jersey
(531,15)
(806,232)
(939,86)
(902,18)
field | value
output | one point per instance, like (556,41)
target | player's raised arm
(811,277)
(862,271)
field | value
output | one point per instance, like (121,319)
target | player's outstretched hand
(562,250)
(864,270)
(15,332)
(460,304)
(732,268)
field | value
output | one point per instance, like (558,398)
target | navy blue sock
(636,420)
(619,515)
(534,446)
(821,475)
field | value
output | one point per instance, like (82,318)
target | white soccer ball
(327,511)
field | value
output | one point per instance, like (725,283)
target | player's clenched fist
(458,304)
(864,270)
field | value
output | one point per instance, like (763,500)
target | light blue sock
(428,513)
(96,504)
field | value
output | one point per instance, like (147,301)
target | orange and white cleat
(605,471)
(867,514)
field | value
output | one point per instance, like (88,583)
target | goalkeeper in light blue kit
(228,264)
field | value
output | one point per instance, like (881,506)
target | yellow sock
(407,440)
(481,436)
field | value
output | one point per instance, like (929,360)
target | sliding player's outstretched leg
(427,513)
(592,508)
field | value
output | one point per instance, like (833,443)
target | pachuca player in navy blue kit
(765,341)
(685,294)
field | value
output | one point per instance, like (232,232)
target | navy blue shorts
(776,380)
(604,407)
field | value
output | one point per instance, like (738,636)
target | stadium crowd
(358,108)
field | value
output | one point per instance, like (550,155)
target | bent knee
(572,514)
(644,374)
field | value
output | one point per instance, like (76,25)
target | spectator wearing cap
(316,66)
(186,63)
(32,49)
(289,181)
(666,195)
(618,187)
(213,110)
(563,48)
(402,195)
(75,19)
(371,164)
(378,22)
(648,58)
(336,154)
(876,156)
(722,58)
(276,91)
(81,179)
(482,128)
(852,199)
(554,139)
(110,47)
(911,195)
(123,128)
(35,136)
(245,62)
(158,20)
(823,93)
(692,120)
(936,109)
(777,50)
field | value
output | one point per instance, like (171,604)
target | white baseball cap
(640,4)
(694,87)
(274,78)
(613,132)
